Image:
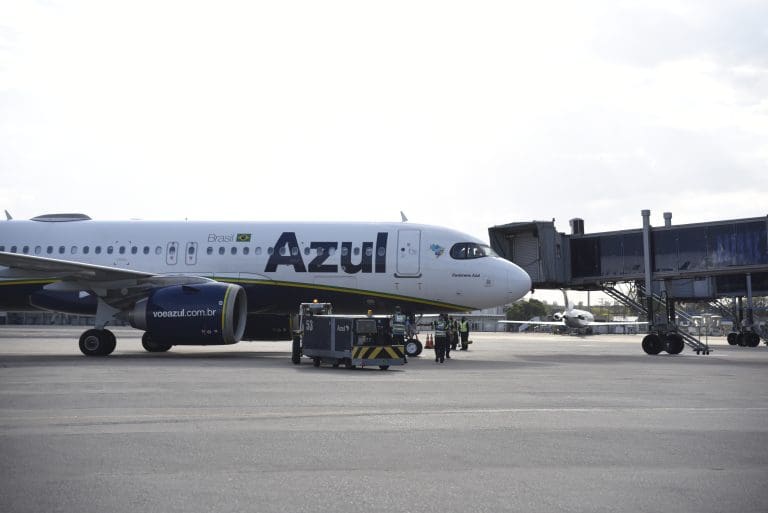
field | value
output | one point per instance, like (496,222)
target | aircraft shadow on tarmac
(276,359)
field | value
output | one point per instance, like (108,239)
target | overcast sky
(464,114)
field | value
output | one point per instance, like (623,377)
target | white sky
(463,114)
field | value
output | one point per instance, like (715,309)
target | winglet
(402,216)
(8,216)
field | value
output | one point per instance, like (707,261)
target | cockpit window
(470,250)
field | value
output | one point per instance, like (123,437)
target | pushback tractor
(349,340)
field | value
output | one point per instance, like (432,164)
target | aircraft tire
(383,367)
(296,350)
(413,348)
(674,343)
(153,346)
(732,338)
(96,342)
(316,362)
(751,339)
(652,344)
(740,340)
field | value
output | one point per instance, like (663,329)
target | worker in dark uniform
(464,332)
(441,337)
(453,335)
(397,325)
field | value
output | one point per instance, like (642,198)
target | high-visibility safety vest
(440,328)
(464,327)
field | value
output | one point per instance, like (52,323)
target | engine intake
(203,314)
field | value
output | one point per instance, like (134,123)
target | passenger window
(134,250)
(270,250)
(368,251)
(62,249)
(73,250)
(257,251)
(25,250)
(121,250)
(306,250)
(49,249)
(283,251)
(2,248)
(97,250)
(209,250)
(233,250)
(356,251)
(146,250)
(344,251)
(13,249)
(110,250)
(86,250)
(38,250)
(158,250)
(246,250)
(221,250)
(172,250)
(381,251)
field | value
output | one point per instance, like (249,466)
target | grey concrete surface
(518,423)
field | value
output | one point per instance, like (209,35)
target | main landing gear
(97,342)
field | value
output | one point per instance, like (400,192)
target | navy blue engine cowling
(204,314)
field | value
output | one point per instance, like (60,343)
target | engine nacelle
(202,314)
(557,316)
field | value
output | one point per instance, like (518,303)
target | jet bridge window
(469,250)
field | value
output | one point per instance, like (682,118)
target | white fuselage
(404,262)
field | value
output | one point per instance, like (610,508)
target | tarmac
(520,422)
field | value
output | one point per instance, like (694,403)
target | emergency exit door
(408,252)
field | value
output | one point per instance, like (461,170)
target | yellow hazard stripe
(377,352)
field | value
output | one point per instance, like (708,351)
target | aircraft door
(191,253)
(408,252)
(171,253)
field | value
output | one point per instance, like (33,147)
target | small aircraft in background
(573,318)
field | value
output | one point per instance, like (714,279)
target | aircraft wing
(118,287)
(540,323)
(67,270)
(618,323)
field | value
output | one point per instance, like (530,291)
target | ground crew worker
(441,337)
(464,332)
(453,335)
(397,325)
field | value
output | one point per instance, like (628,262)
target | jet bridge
(665,264)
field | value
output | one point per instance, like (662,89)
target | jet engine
(557,316)
(202,314)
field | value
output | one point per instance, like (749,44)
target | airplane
(574,318)
(216,283)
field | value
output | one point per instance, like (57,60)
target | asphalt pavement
(519,422)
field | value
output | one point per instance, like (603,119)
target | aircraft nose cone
(519,283)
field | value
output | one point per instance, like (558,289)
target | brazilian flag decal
(243,237)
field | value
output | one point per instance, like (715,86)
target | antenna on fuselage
(402,217)
(8,216)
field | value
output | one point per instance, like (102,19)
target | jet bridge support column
(748,336)
(652,342)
